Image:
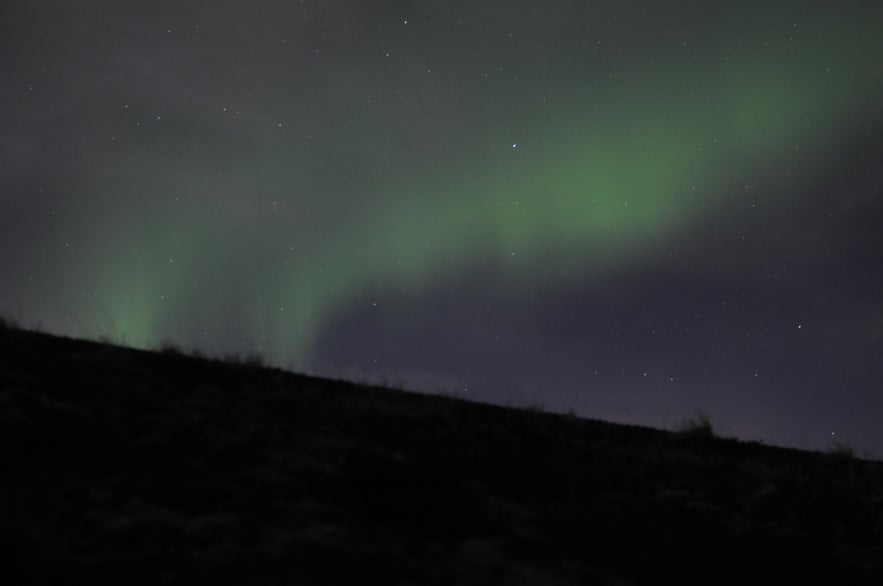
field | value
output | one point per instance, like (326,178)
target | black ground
(128,467)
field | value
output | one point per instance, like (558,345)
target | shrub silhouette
(696,428)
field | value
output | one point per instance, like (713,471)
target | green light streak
(589,186)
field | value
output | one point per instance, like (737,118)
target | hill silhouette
(123,466)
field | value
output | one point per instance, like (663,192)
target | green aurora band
(616,167)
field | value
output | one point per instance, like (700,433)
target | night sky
(639,211)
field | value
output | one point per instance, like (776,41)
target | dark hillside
(129,467)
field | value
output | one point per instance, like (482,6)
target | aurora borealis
(634,210)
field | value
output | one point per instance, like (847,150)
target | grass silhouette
(123,466)
(696,428)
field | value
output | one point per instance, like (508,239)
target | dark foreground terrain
(129,467)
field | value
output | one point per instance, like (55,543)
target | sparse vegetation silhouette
(136,467)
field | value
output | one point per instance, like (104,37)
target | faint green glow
(589,185)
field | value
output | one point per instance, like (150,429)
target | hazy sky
(637,210)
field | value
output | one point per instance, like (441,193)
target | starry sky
(638,211)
